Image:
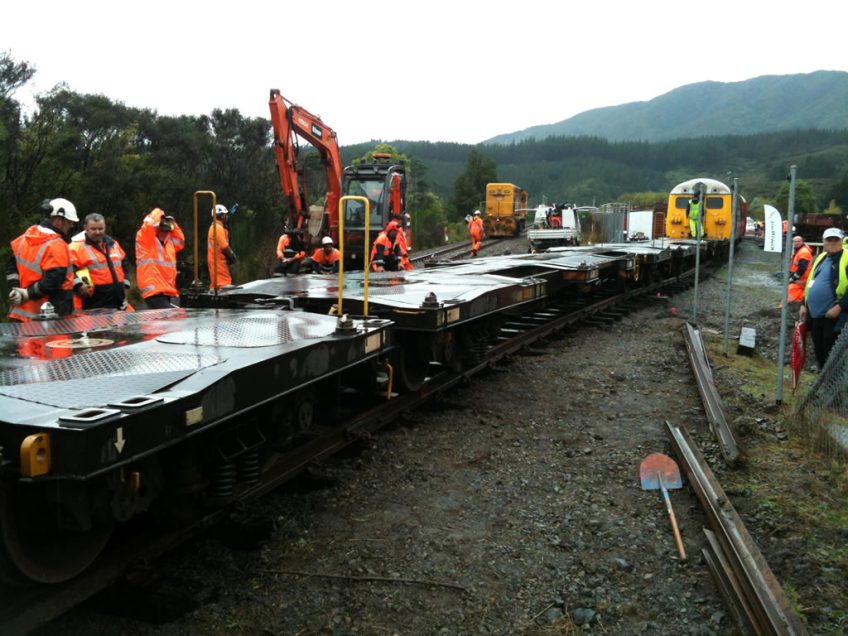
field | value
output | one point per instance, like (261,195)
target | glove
(18,295)
(127,284)
(230,257)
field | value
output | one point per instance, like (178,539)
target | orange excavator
(382,181)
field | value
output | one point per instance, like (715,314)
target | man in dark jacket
(825,305)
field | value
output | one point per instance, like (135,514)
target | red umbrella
(799,352)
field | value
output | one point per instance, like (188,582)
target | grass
(797,495)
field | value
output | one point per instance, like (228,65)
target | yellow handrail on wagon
(197,239)
(365,254)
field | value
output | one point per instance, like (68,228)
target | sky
(434,70)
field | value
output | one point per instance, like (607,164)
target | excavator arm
(288,120)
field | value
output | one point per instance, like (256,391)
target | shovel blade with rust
(660,472)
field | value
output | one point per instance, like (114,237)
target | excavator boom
(289,119)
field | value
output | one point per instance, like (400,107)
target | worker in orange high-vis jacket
(219,255)
(99,263)
(799,270)
(39,269)
(289,259)
(386,251)
(156,247)
(325,259)
(475,230)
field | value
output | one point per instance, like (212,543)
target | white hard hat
(64,208)
(476,212)
(221,209)
(326,241)
(833,232)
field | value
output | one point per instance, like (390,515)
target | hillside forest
(122,162)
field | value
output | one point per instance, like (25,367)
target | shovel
(660,472)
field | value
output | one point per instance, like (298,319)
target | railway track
(24,610)
(451,252)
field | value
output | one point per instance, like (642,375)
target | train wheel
(32,548)
(305,412)
(411,366)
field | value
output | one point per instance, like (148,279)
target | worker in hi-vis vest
(693,211)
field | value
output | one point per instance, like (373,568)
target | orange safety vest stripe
(156,261)
(84,255)
(33,259)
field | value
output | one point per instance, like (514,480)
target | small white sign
(773,230)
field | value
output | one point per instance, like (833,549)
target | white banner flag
(774,230)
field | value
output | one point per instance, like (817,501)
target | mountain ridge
(768,103)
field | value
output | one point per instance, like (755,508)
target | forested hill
(770,103)
(588,169)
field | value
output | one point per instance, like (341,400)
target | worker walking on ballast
(475,230)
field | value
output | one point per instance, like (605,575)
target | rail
(744,579)
(713,404)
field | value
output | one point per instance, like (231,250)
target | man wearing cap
(39,269)
(825,305)
(325,259)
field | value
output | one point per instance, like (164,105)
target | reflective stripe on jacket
(85,255)
(37,251)
(156,261)
(220,237)
(803,253)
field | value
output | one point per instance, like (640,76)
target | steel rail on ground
(713,404)
(755,597)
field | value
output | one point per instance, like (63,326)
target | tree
(470,186)
(839,193)
(805,198)
(428,219)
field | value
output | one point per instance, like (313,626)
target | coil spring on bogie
(477,352)
(248,467)
(225,479)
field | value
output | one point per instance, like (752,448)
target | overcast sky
(436,70)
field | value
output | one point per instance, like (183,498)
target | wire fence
(822,413)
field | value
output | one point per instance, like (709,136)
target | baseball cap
(832,232)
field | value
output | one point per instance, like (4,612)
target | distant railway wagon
(506,210)
(717,207)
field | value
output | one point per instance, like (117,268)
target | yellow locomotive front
(506,210)
(716,211)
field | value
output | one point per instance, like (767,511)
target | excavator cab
(384,184)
